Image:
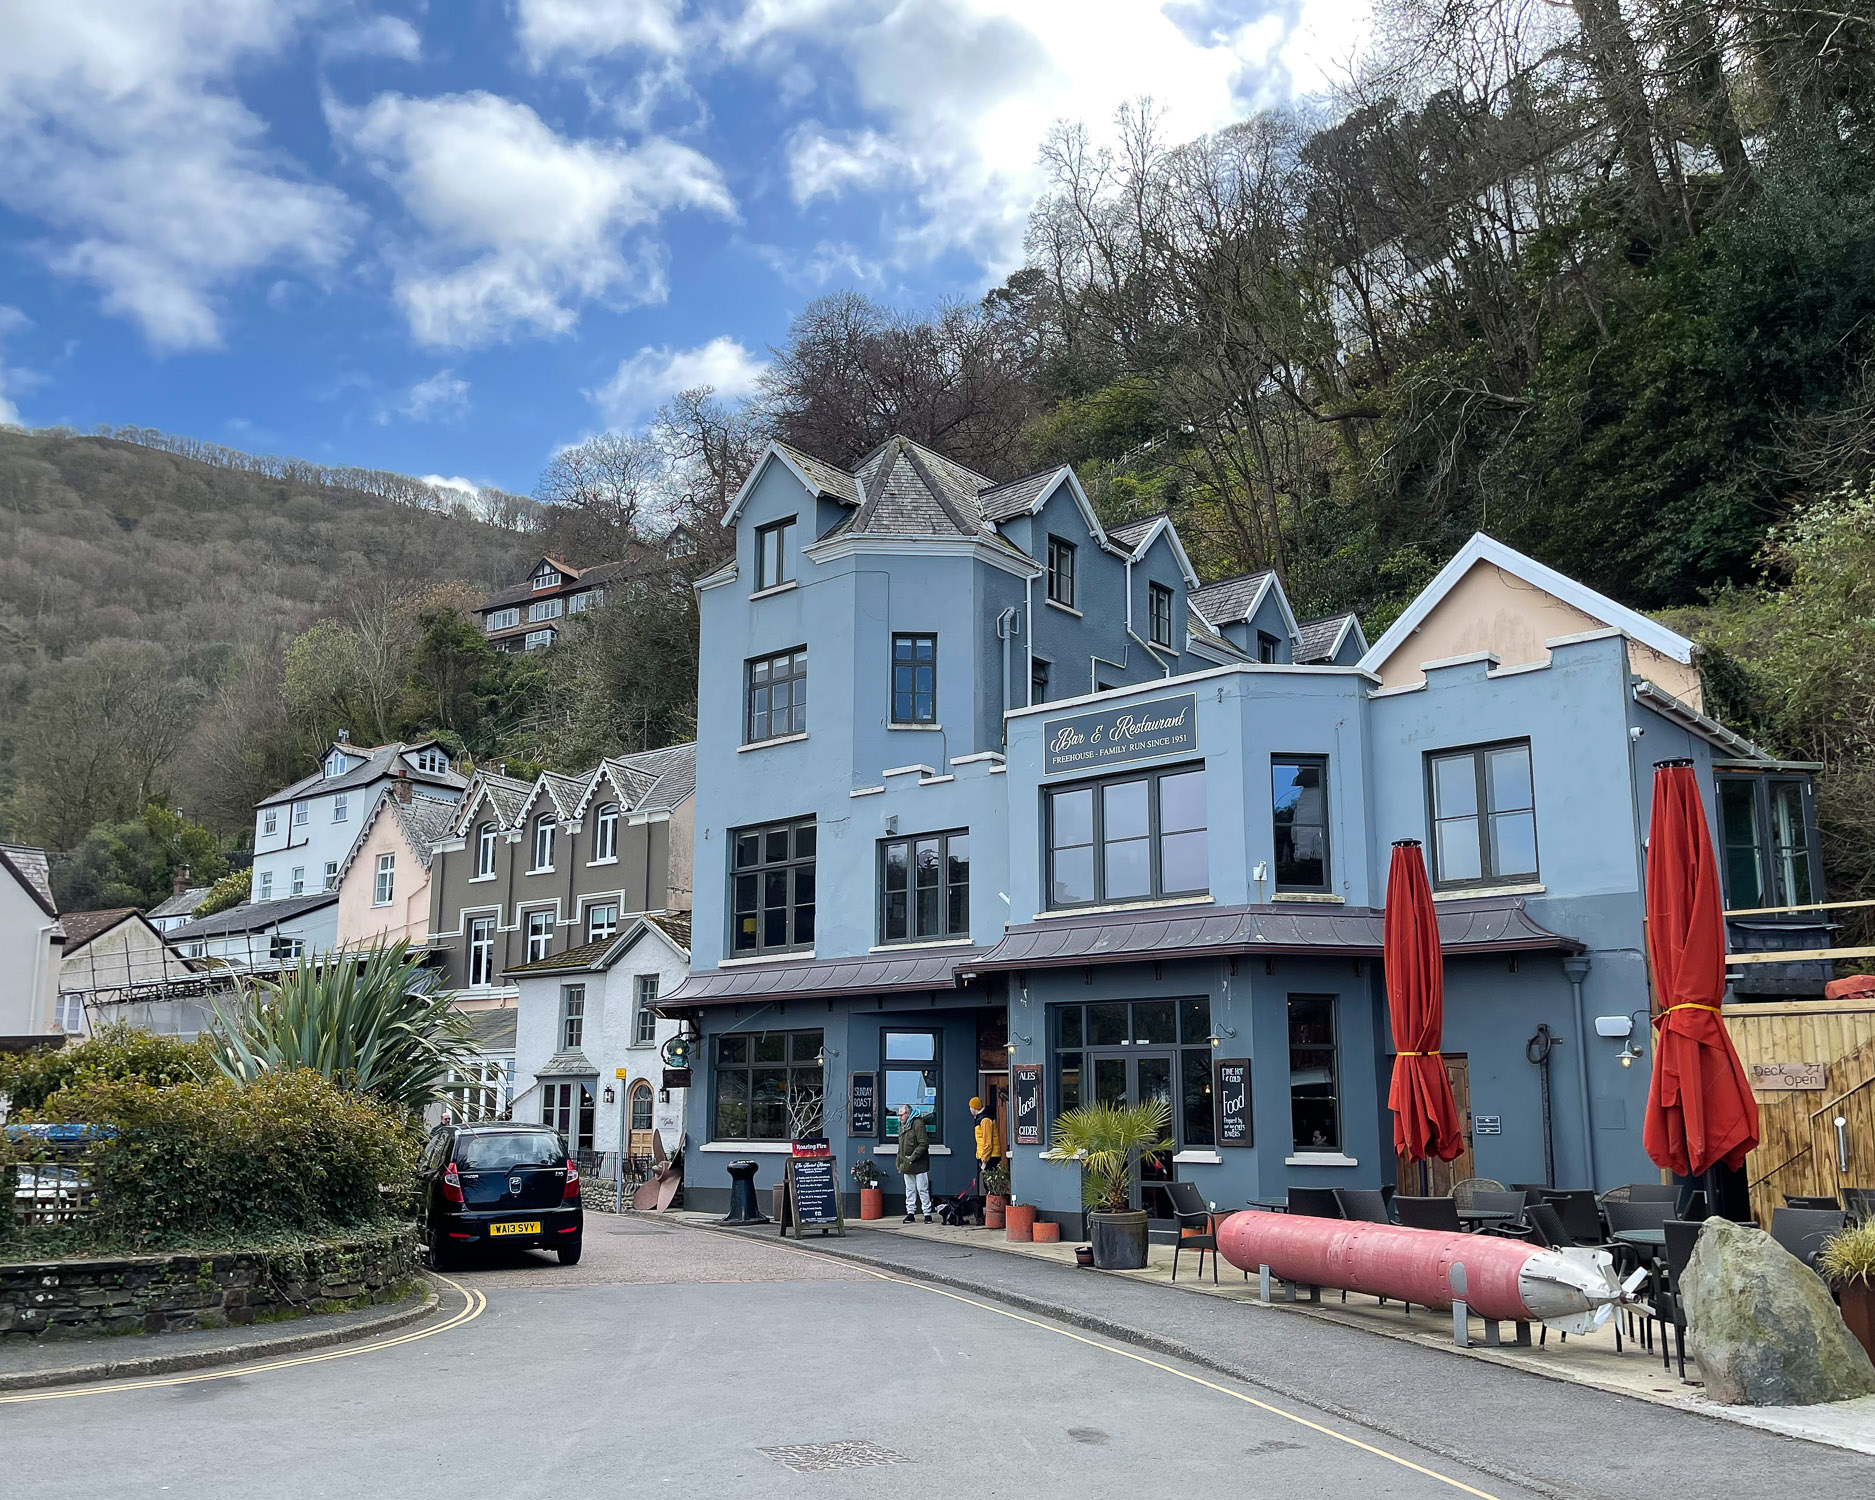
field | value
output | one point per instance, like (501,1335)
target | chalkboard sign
(812,1199)
(862,1098)
(1232,1092)
(1026,1085)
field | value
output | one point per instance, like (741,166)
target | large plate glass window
(1128,1050)
(1314,1104)
(1299,806)
(914,1075)
(772,888)
(914,679)
(1131,838)
(1483,815)
(774,555)
(777,697)
(1061,571)
(1159,613)
(766,1082)
(924,887)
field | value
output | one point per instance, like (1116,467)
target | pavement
(683,1360)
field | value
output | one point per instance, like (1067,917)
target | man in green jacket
(914,1161)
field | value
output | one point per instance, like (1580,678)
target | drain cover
(851,1453)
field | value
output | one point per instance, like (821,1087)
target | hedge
(30,1078)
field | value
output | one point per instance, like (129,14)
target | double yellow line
(472,1300)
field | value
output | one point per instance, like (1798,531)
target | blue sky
(449,238)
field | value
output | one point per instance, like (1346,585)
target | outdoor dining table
(1270,1205)
(1646,1239)
(1486,1215)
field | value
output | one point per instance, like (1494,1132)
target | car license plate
(518,1226)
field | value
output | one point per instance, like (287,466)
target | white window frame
(543,845)
(547,578)
(485,841)
(332,875)
(270,820)
(572,1017)
(542,610)
(593,934)
(482,951)
(539,928)
(301,811)
(605,835)
(536,639)
(341,807)
(265,892)
(504,619)
(298,884)
(384,886)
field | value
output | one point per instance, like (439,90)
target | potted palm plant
(995,1194)
(1847,1261)
(1108,1140)
(871,1195)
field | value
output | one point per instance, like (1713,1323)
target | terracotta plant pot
(1020,1218)
(1084,1256)
(872,1203)
(994,1207)
(1047,1232)
(1858,1311)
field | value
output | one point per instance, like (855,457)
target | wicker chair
(1462,1191)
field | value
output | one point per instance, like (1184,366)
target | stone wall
(160,1293)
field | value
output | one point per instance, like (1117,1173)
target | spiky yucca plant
(381,1024)
(1108,1140)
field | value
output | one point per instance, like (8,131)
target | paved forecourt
(681,1361)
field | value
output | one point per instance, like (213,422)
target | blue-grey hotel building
(992,801)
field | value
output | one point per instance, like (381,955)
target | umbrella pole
(1425,1179)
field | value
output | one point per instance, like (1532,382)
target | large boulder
(1762,1326)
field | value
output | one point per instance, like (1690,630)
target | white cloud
(12,320)
(652,376)
(596,28)
(827,261)
(379,36)
(517,225)
(454,482)
(439,398)
(956,96)
(119,131)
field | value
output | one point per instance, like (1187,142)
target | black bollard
(742,1203)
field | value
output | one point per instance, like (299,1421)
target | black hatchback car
(500,1183)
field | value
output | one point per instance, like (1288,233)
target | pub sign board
(1116,736)
(1025,1087)
(862,1104)
(812,1199)
(1232,1087)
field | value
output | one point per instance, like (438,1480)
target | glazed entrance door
(1135,1077)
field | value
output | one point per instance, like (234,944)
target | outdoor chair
(1622,1216)
(1797,1200)
(1366,1204)
(1428,1213)
(1581,1215)
(1802,1231)
(1543,1225)
(1463,1192)
(1643,1192)
(1669,1308)
(1197,1227)
(1510,1205)
(1316,1203)
(1695,1210)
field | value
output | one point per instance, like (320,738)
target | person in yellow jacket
(989,1142)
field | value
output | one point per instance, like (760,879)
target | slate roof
(602,953)
(1133,533)
(1228,601)
(1004,502)
(380,761)
(508,793)
(179,906)
(669,775)
(834,482)
(1485,924)
(1204,635)
(578,581)
(493,1030)
(564,792)
(676,927)
(82,926)
(30,869)
(1315,639)
(567,961)
(875,975)
(423,821)
(252,916)
(571,1063)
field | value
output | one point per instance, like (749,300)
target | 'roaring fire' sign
(1112,736)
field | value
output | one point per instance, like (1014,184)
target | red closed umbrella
(1700,1108)
(1425,1121)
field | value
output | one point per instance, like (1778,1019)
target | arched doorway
(640,1121)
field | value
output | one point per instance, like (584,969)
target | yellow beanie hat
(976,1104)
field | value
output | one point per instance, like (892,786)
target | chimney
(401,785)
(181,882)
(345,736)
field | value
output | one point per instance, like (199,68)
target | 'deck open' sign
(1113,736)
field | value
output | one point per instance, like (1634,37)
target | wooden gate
(1800,1151)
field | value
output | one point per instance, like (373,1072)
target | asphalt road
(678,1361)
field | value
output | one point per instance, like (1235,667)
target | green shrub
(229,891)
(118,1051)
(288,1152)
(1849,1257)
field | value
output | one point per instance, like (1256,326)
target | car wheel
(441,1255)
(569,1254)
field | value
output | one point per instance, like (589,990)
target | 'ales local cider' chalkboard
(1026,1085)
(862,1095)
(813,1197)
(1233,1102)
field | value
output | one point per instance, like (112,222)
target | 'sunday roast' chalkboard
(813,1197)
(862,1095)
(1233,1102)
(1027,1110)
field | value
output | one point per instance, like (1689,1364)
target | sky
(450,238)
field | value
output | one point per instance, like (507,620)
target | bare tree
(598,495)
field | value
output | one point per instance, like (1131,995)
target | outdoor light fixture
(1629,1053)
(1014,1037)
(1218,1041)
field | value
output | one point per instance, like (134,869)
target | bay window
(1128,839)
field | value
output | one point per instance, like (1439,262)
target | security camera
(1636,732)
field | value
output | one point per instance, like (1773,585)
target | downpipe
(1577,968)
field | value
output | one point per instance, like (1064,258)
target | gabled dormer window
(543,843)
(335,765)
(546,577)
(432,760)
(485,849)
(774,555)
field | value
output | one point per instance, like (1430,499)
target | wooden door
(641,1120)
(1442,1174)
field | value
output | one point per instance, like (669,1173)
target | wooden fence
(1826,1048)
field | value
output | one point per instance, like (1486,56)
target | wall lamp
(1014,1038)
(1622,1027)
(611,1095)
(1216,1038)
